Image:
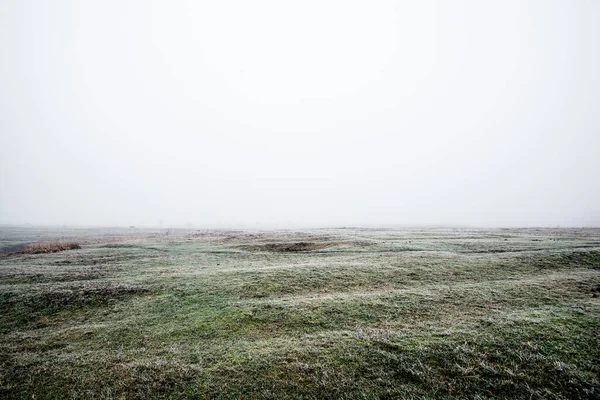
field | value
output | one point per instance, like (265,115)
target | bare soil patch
(290,247)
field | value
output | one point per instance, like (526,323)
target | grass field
(320,314)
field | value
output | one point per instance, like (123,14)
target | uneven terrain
(320,314)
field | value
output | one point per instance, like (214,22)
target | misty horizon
(321,114)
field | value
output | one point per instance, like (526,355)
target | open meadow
(316,314)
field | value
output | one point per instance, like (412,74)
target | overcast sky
(300,113)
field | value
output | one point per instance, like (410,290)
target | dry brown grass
(51,247)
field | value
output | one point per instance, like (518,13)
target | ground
(320,314)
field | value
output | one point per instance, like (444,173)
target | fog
(277,114)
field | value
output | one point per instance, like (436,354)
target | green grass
(339,314)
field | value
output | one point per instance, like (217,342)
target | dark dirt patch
(117,246)
(293,247)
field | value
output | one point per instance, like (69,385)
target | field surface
(319,314)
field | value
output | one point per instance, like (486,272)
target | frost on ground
(331,313)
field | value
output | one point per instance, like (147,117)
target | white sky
(305,113)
